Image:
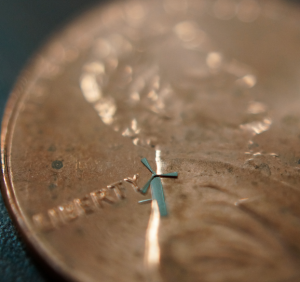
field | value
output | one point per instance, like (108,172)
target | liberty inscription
(60,215)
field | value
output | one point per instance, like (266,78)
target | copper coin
(207,89)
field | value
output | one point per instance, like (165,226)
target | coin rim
(13,105)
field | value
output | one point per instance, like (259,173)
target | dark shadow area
(24,26)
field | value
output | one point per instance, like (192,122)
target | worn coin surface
(206,89)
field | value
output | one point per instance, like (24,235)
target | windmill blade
(171,174)
(146,186)
(147,165)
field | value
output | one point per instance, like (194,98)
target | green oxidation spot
(57,164)
(52,186)
(52,148)
(299,162)
(79,231)
(230,169)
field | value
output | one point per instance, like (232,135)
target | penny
(159,141)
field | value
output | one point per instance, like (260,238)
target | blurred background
(24,27)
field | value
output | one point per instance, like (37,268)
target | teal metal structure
(156,188)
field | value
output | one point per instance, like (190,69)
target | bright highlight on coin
(206,94)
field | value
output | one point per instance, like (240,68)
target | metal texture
(157,188)
(209,89)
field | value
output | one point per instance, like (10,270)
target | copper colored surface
(209,89)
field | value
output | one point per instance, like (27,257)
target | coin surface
(159,141)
